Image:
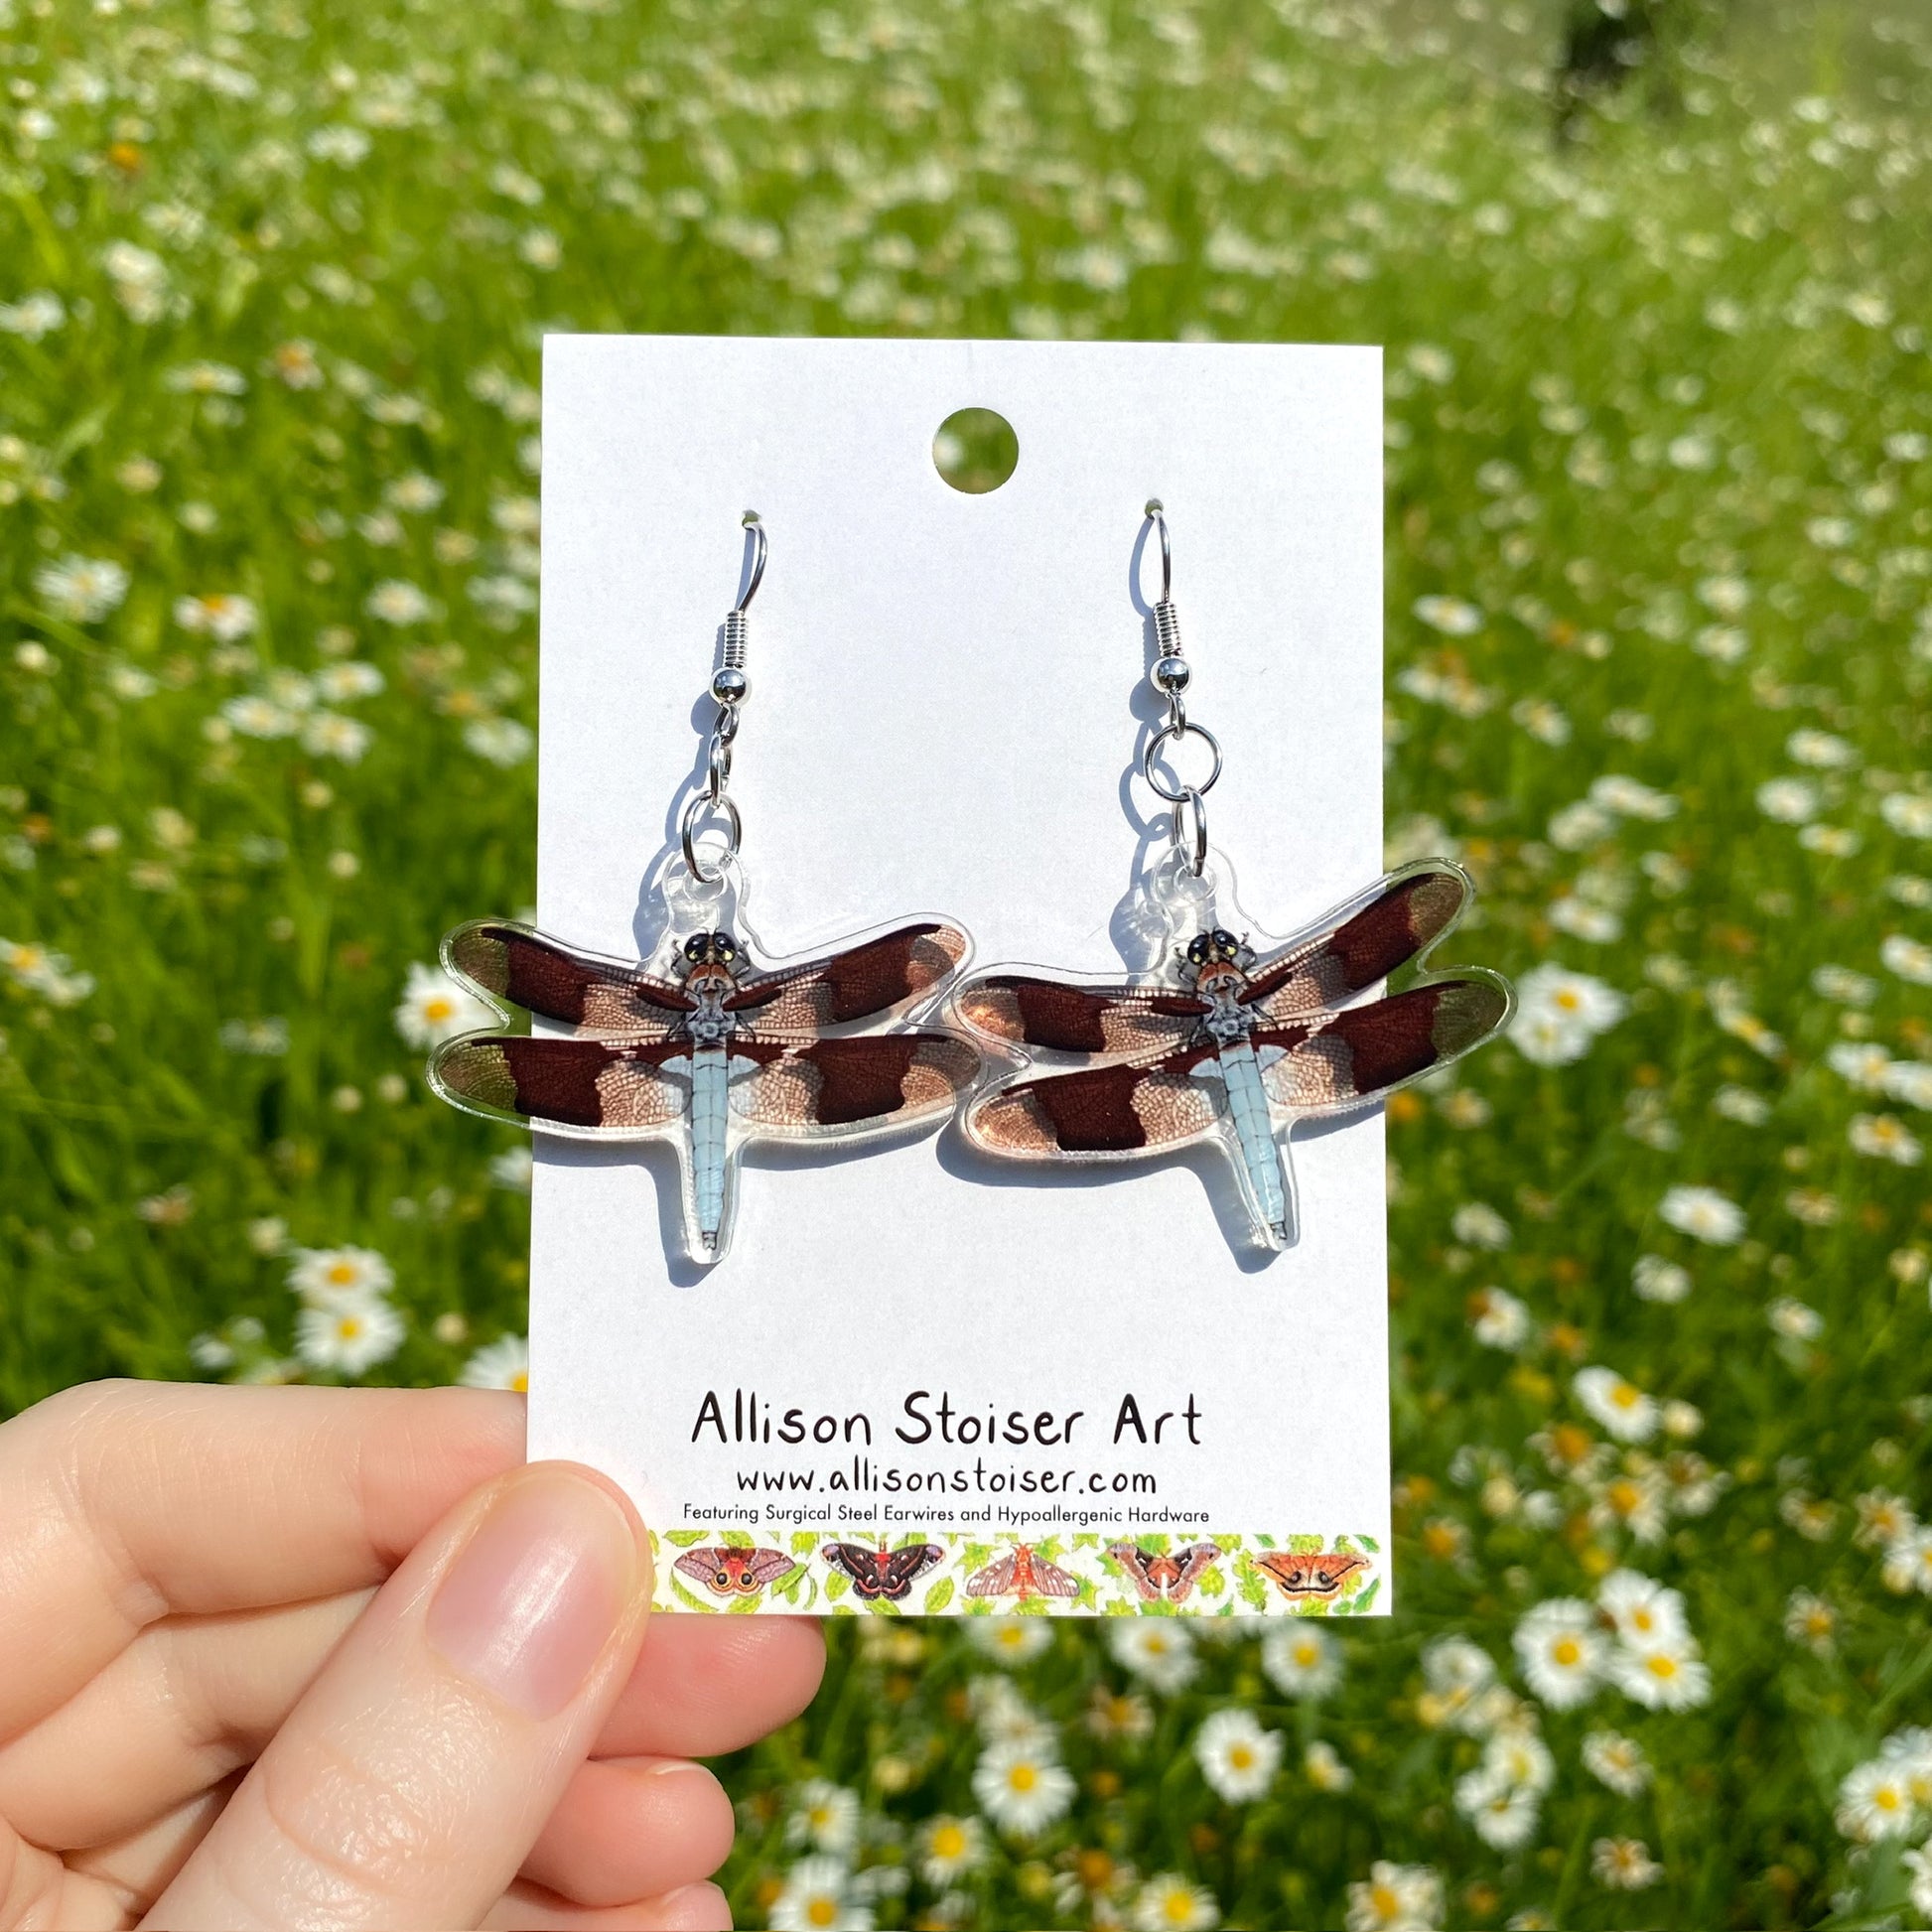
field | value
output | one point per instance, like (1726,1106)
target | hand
(215,1711)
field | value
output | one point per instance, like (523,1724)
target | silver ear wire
(1170,676)
(731,687)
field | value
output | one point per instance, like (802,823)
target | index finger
(123,1502)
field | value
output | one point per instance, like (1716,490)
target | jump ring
(1187,805)
(1164,735)
(697,808)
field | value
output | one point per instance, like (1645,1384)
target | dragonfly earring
(705,1046)
(1227,1038)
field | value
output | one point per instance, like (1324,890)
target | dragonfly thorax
(709,963)
(1227,1019)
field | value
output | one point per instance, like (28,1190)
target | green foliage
(271,285)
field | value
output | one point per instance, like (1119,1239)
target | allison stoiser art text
(928,1415)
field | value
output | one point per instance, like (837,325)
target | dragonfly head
(1213,956)
(712,949)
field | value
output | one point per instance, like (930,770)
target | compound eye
(726,947)
(694,946)
(1196,951)
(1226,942)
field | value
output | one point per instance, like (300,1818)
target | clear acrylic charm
(709,1043)
(1231,1037)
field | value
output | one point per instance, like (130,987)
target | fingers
(691,1909)
(706,1685)
(632,1827)
(188,1701)
(411,1781)
(121,1502)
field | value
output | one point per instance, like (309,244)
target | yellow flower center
(1624,1396)
(1567,1000)
(520,1381)
(341,1273)
(1023,1777)
(1567,1651)
(1306,1654)
(1383,1899)
(822,1911)
(950,1841)
(348,1327)
(1241,1757)
(1642,1619)
(1179,1909)
(437,1008)
(1663,1666)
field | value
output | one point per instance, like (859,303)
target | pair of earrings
(1223,1041)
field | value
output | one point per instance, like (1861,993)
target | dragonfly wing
(851,1084)
(1337,1060)
(540,973)
(1407,913)
(1103,1110)
(857,984)
(616,1089)
(1067,1018)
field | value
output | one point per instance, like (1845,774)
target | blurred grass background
(1653,280)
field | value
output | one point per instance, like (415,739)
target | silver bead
(729,686)
(1171,674)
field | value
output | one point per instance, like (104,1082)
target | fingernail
(538,1590)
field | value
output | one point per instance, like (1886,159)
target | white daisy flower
(1620,1405)
(1633,799)
(1395,1898)
(1169,1903)
(396,601)
(1918,1867)
(513,1169)
(501,1364)
(1791,801)
(817,1896)
(227,615)
(1156,1649)
(327,1275)
(1021,1787)
(348,1333)
(1559,1013)
(1325,1768)
(1875,1802)
(1516,1755)
(825,1815)
(1624,1864)
(328,733)
(1907,958)
(83,590)
(1503,1815)
(1448,614)
(1643,1611)
(1705,1214)
(1477,1225)
(1617,1761)
(1009,1639)
(1794,1320)
(1884,1137)
(1908,813)
(1667,1675)
(1498,1319)
(949,1849)
(1562,1652)
(1812,1621)
(1862,1063)
(1910,1081)
(1908,1563)
(1237,1757)
(342,683)
(435,1007)
(1302,1659)
(500,740)
(414,493)
(1653,1278)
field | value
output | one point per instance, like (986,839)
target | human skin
(292,1658)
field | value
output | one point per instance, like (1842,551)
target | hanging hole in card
(976,451)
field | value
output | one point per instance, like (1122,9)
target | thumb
(410,1782)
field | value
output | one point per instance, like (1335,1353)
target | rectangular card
(1081,1388)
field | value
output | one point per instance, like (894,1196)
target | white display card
(948,701)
